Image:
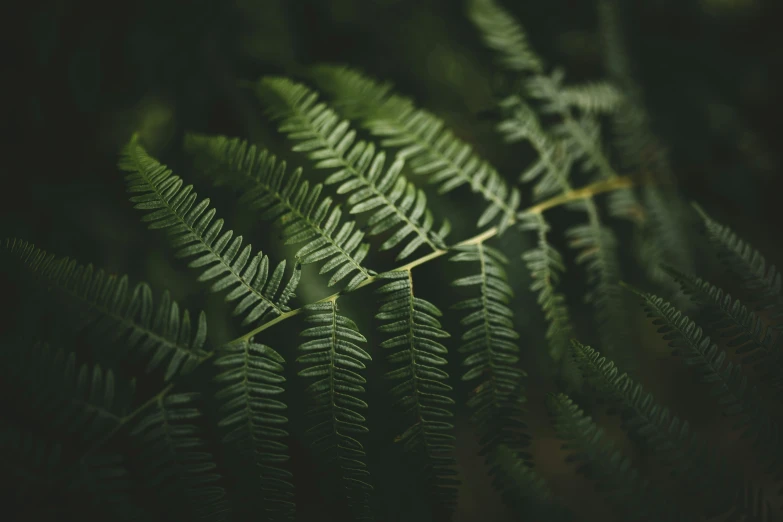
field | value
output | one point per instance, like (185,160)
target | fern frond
(75,399)
(422,393)
(606,466)
(250,381)
(489,346)
(729,386)
(758,276)
(526,490)
(597,248)
(744,330)
(194,233)
(333,357)
(429,148)
(551,168)
(668,438)
(175,460)
(545,265)
(502,33)
(395,203)
(113,313)
(298,209)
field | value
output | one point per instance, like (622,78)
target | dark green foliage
(333,357)
(102,301)
(137,415)
(295,207)
(194,233)
(251,410)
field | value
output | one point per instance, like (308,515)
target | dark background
(81,76)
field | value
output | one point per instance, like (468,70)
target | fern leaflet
(422,390)
(430,149)
(333,357)
(193,231)
(175,460)
(490,349)
(294,206)
(394,202)
(250,379)
(163,335)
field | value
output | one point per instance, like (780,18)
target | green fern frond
(429,148)
(176,464)
(758,276)
(526,490)
(597,248)
(730,387)
(75,399)
(746,333)
(250,381)
(553,164)
(603,464)
(194,233)
(104,304)
(668,438)
(489,345)
(299,210)
(395,203)
(545,265)
(422,393)
(333,357)
(502,33)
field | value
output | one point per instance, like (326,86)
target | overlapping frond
(395,203)
(612,472)
(551,169)
(251,412)
(104,302)
(421,390)
(283,197)
(333,358)
(176,463)
(668,438)
(502,33)
(424,142)
(732,391)
(745,331)
(597,247)
(33,462)
(195,232)
(525,490)
(545,265)
(761,278)
(490,349)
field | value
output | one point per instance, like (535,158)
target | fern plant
(236,429)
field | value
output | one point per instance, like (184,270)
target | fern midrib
(143,172)
(303,116)
(417,394)
(488,329)
(319,230)
(421,141)
(716,371)
(128,322)
(585,192)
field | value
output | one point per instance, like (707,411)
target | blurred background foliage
(85,74)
